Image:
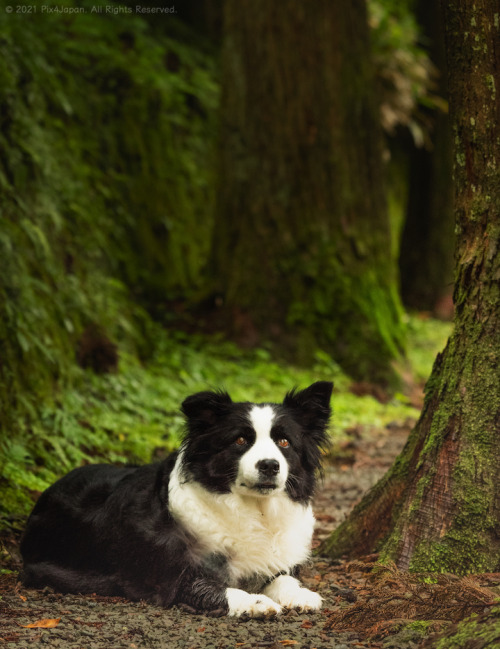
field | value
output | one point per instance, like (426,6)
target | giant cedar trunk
(302,240)
(438,508)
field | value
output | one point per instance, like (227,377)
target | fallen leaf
(201,629)
(306,624)
(288,643)
(22,597)
(42,624)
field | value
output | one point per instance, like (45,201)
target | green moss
(457,552)
(475,631)
(422,485)
(373,343)
(409,634)
(419,625)
(490,82)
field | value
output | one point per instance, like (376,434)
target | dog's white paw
(289,593)
(243,603)
(305,600)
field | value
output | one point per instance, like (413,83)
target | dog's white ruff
(258,535)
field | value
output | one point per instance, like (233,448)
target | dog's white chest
(257,535)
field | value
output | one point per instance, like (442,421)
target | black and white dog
(222,525)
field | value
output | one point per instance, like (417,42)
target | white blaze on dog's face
(256,449)
(262,469)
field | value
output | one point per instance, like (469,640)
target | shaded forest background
(110,144)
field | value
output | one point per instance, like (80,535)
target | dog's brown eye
(284,443)
(241,441)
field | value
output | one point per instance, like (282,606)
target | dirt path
(110,623)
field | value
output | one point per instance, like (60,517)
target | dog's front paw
(289,593)
(243,603)
(305,600)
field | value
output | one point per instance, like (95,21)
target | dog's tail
(68,580)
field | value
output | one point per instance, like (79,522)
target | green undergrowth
(106,141)
(426,337)
(133,415)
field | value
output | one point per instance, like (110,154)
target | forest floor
(364,606)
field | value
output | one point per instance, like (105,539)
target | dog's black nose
(268,467)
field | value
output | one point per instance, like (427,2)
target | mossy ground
(476,632)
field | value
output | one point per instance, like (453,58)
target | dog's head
(257,449)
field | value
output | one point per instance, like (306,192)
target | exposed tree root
(391,598)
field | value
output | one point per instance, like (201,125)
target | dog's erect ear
(311,409)
(204,408)
(312,405)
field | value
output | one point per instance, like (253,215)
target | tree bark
(301,241)
(438,508)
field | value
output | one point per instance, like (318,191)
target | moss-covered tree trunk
(302,235)
(438,508)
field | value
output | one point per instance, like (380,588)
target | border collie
(221,526)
